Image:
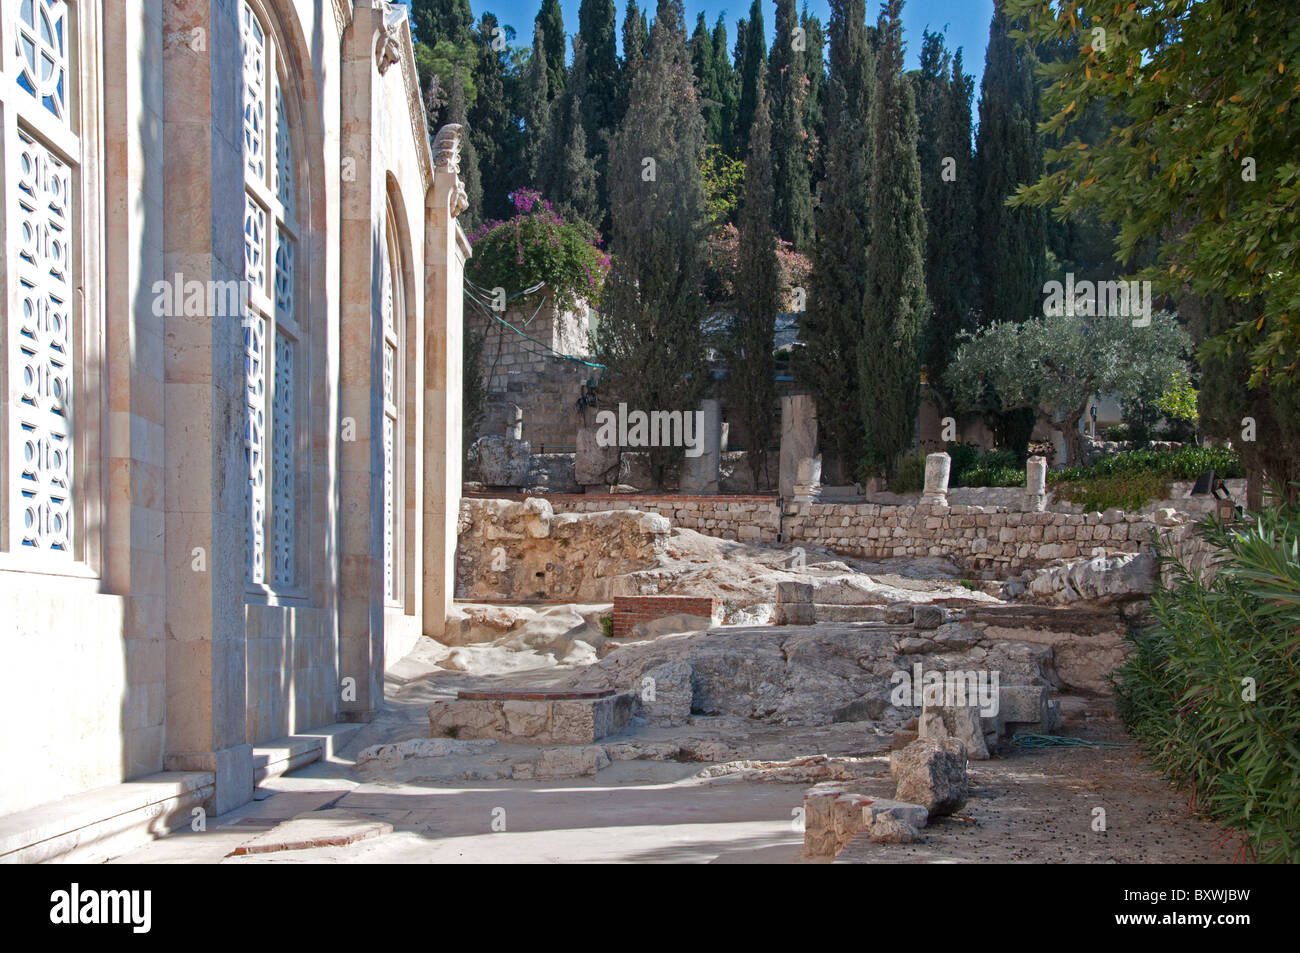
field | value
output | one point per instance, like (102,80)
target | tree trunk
(1254,489)
(1074,440)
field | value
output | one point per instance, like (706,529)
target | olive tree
(1058,363)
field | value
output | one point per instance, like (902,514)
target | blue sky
(965,22)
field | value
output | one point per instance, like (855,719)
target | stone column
(700,473)
(808,479)
(363,199)
(205,476)
(1036,484)
(937,467)
(446,249)
(798,438)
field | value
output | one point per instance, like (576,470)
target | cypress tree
(1011,243)
(814,102)
(572,179)
(944,151)
(832,326)
(494,135)
(537,110)
(550,21)
(649,336)
(435,20)
(706,80)
(750,365)
(596,20)
(752,61)
(600,97)
(895,306)
(724,83)
(792,212)
(458,113)
(635,47)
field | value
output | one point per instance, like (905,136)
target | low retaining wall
(998,539)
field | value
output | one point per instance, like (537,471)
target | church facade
(230,454)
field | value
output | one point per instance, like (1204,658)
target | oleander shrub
(1211,692)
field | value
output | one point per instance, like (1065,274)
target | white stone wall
(148,650)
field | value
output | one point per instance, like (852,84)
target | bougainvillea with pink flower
(536,245)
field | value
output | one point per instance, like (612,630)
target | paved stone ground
(1032,806)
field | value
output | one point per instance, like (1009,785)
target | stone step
(103,823)
(533,717)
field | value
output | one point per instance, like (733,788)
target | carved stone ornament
(387,49)
(446,158)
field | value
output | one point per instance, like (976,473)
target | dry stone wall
(980,538)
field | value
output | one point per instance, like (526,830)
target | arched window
(394,314)
(272,326)
(42,247)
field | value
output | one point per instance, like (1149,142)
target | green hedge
(1183,692)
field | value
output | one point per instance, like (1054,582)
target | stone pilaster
(206,471)
(446,249)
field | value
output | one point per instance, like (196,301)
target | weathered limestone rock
(798,438)
(522,550)
(959,722)
(699,474)
(531,721)
(889,829)
(931,772)
(593,464)
(1102,579)
(500,461)
(834,814)
(666,694)
(937,468)
(927,617)
(794,604)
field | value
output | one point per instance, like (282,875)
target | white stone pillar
(1036,483)
(700,473)
(798,439)
(937,468)
(206,471)
(447,248)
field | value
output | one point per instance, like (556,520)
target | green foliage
(1126,490)
(832,326)
(1199,152)
(495,136)
(1178,402)
(723,178)
(1011,242)
(1182,692)
(972,466)
(944,114)
(1226,403)
(550,24)
(473,385)
(814,101)
(909,474)
(895,308)
(650,335)
(792,212)
(1057,363)
(751,390)
(751,60)
(1186,463)
(536,245)
(607,626)
(434,20)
